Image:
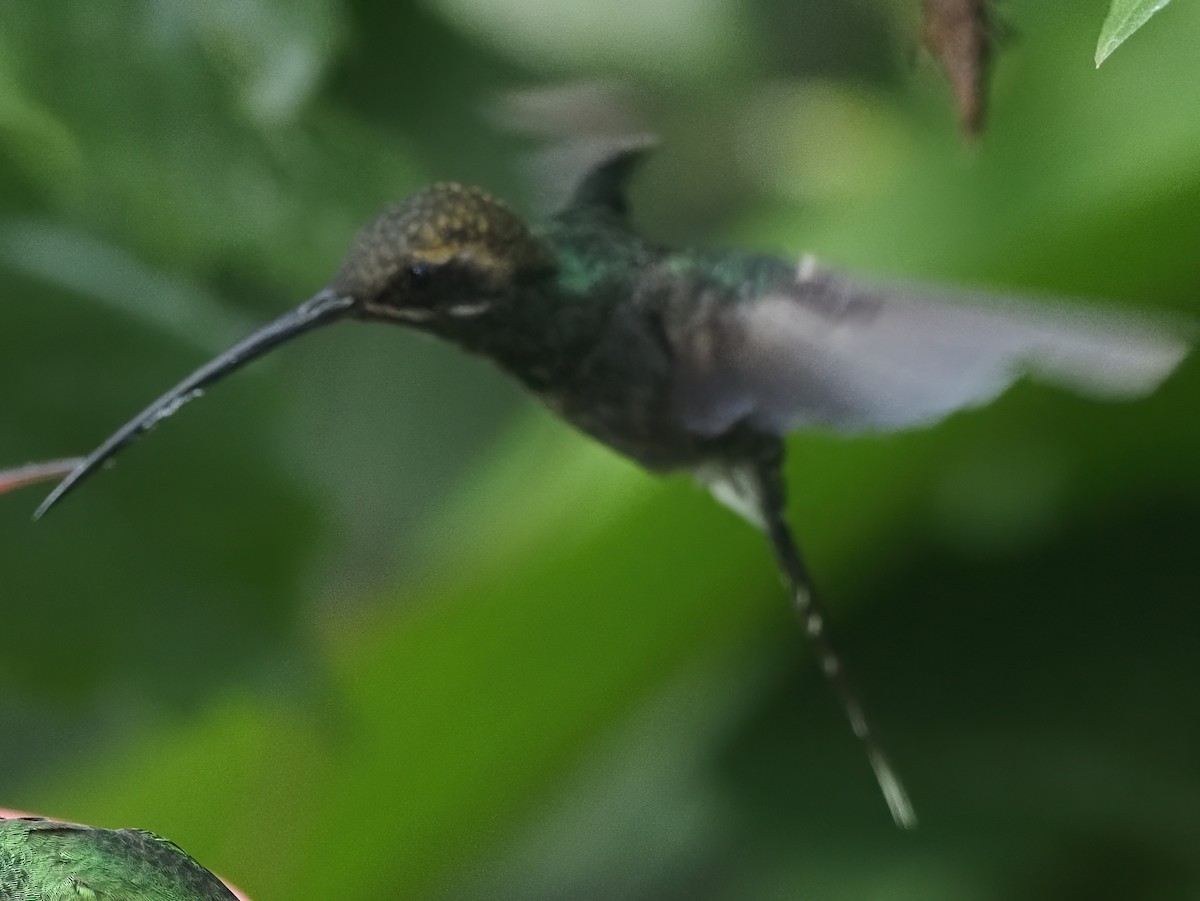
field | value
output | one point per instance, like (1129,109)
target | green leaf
(1124,18)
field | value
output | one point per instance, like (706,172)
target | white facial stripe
(417,314)
(468,310)
(408,314)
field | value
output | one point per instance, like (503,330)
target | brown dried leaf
(959,34)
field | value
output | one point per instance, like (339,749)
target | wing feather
(827,351)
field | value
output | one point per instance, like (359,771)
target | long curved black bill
(322,309)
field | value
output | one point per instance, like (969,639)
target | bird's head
(440,261)
(446,255)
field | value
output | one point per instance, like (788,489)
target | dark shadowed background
(367,623)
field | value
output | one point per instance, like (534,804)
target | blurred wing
(590,133)
(826,351)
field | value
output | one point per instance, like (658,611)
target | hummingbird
(45,860)
(694,361)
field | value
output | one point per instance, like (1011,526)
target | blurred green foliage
(368,624)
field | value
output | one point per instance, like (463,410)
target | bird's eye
(418,275)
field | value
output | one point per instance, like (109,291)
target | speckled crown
(435,225)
